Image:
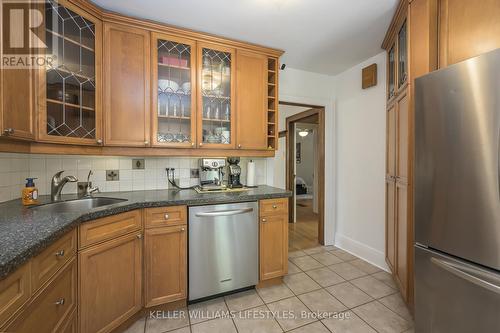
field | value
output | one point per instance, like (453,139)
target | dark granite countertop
(25,232)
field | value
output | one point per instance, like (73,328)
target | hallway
(304,233)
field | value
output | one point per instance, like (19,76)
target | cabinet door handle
(201,144)
(264,220)
(239,146)
(99,141)
(192,144)
(182,229)
(146,142)
(8,131)
(166,216)
(60,302)
(139,236)
(274,206)
(59,253)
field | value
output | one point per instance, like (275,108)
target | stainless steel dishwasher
(223,248)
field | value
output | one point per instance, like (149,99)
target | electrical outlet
(138,163)
(112,175)
(195,173)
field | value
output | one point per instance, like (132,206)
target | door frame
(318,111)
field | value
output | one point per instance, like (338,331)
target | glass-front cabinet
(70,110)
(391,86)
(402,56)
(216,96)
(174,91)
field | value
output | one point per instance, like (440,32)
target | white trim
(365,252)
(330,160)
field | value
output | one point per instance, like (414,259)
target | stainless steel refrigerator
(457,198)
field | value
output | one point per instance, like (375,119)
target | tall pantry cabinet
(424,35)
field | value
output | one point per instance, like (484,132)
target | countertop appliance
(234,172)
(457,191)
(223,249)
(212,173)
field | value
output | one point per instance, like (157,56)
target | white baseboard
(373,256)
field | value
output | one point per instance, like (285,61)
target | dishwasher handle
(225,212)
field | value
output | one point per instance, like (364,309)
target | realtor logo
(22,34)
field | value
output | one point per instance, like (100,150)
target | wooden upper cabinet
(251,97)
(391,72)
(422,28)
(402,43)
(69,90)
(467,29)
(110,283)
(127,57)
(18,103)
(174,91)
(216,96)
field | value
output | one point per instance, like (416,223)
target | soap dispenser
(30,193)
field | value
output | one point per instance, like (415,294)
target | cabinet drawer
(14,292)
(52,307)
(274,207)
(162,216)
(109,227)
(54,257)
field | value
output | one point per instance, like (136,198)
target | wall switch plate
(112,175)
(195,173)
(138,163)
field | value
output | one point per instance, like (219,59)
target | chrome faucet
(58,183)
(85,189)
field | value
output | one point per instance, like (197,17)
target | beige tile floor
(349,295)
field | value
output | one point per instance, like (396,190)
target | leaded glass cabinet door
(70,87)
(174,91)
(216,121)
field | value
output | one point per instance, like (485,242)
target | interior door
(251,89)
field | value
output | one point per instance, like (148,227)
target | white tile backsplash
(15,168)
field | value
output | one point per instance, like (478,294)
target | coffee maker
(212,173)
(234,172)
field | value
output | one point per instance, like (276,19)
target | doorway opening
(303,142)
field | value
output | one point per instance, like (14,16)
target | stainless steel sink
(77,205)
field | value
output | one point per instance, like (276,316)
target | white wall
(314,89)
(361,163)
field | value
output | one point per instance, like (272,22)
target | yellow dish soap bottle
(30,193)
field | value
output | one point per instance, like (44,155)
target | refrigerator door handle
(479,278)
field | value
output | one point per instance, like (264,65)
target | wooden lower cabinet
(273,239)
(53,307)
(15,290)
(401,268)
(110,283)
(71,325)
(390,227)
(165,264)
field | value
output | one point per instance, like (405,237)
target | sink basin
(77,205)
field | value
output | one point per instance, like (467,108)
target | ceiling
(323,36)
